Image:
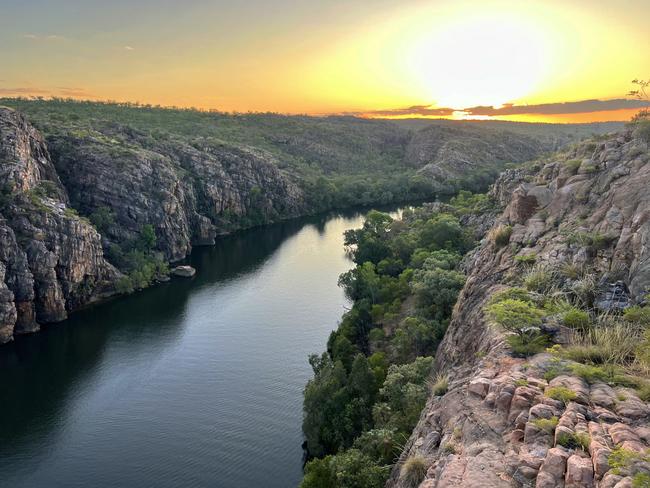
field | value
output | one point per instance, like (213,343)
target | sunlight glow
(485,60)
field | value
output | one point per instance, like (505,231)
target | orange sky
(329,57)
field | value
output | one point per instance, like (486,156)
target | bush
(576,319)
(516,316)
(529,346)
(521,382)
(595,374)
(560,393)
(606,344)
(441,385)
(500,235)
(547,425)
(641,480)
(526,258)
(638,315)
(540,279)
(515,293)
(578,440)
(413,471)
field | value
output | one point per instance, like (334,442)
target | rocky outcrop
(51,260)
(588,207)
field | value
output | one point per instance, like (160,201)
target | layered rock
(51,260)
(587,207)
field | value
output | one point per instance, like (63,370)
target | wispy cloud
(129,48)
(560,108)
(59,91)
(44,37)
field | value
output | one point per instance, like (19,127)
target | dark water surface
(191,383)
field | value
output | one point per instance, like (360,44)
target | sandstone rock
(551,473)
(183,271)
(579,472)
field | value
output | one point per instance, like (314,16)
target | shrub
(643,392)
(521,382)
(500,235)
(620,459)
(441,385)
(595,374)
(516,316)
(578,440)
(547,425)
(576,319)
(560,393)
(641,480)
(529,346)
(515,293)
(413,471)
(612,344)
(637,314)
(450,448)
(540,279)
(526,258)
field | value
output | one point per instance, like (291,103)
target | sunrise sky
(382,58)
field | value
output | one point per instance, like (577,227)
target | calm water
(192,383)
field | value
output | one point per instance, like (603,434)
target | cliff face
(188,194)
(586,208)
(51,261)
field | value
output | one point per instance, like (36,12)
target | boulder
(183,271)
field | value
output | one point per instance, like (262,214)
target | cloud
(48,37)
(59,91)
(583,106)
(129,48)
(23,90)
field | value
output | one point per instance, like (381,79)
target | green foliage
(103,219)
(527,346)
(515,293)
(440,385)
(576,319)
(515,316)
(413,471)
(547,425)
(642,480)
(521,382)
(528,259)
(577,440)
(626,461)
(437,289)
(349,469)
(540,279)
(500,235)
(560,393)
(638,315)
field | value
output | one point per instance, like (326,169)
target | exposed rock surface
(51,261)
(591,206)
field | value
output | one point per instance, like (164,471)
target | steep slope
(51,261)
(582,215)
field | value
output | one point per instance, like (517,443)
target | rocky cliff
(101,196)
(51,260)
(583,218)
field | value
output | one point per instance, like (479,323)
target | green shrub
(605,344)
(528,346)
(540,279)
(637,314)
(643,392)
(622,460)
(572,166)
(526,258)
(576,319)
(450,448)
(641,480)
(521,382)
(595,374)
(440,385)
(560,393)
(515,316)
(500,235)
(515,293)
(413,471)
(547,425)
(578,440)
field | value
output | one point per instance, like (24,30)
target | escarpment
(51,260)
(575,416)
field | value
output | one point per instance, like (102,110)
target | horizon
(553,62)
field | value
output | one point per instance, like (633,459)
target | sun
(487,59)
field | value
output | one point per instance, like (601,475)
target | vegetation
(577,440)
(370,386)
(413,471)
(547,425)
(560,393)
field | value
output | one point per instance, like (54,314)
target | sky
(564,61)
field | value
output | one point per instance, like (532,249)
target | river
(192,383)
